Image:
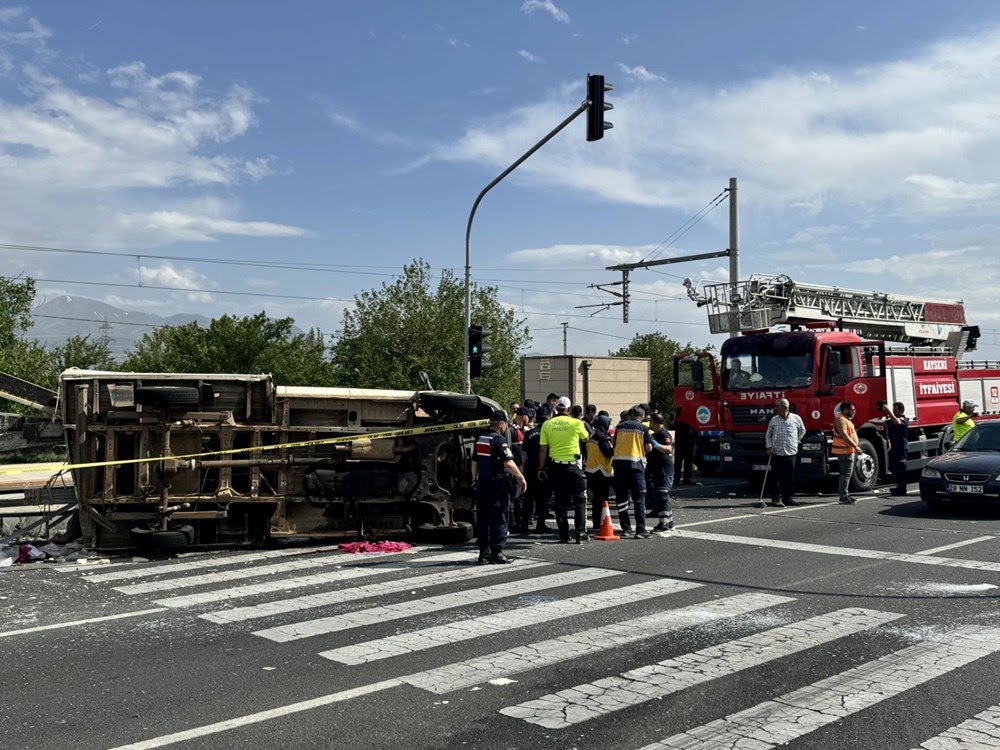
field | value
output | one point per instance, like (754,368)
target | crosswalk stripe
(326,598)
(481,669)
(476,627)
(824,549)
(220,576)
(590,700)
(212,561)
(375,615)
(296,582)
(978,733)
(795,714)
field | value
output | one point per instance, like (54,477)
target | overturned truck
(171,460)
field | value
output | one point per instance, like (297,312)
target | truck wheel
(166,541)
(167,395)
(866,468)
(460,533)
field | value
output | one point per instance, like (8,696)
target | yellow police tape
(405,432)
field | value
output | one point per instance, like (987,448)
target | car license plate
(760,467)
(971,489)
(709,458)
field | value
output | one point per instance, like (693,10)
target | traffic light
(479,351)
(596,124)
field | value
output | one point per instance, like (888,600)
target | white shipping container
(612,383)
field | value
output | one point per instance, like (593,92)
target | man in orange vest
(845,448)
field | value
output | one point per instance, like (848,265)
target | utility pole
(565,347)
(733,253)
(596,125)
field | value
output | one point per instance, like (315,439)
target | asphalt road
(823,626)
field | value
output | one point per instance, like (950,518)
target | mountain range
(58,319)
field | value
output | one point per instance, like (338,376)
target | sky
(232,157)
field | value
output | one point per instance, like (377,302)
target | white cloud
(563,256)
(354,125)
(640,73)
(547,6)
(944,192)
(167,275)
(94,158)
(629,38)
(525,55)
(805,138)
(174,226)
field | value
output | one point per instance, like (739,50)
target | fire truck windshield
(770,361)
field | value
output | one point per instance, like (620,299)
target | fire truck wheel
(460,533)
(866,468)
(167,395)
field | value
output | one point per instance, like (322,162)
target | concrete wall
(614,383)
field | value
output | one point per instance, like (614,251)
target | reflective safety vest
(840,445)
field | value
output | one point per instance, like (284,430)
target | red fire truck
(835,345)
(696,403)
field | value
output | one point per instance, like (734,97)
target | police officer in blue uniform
(493,462)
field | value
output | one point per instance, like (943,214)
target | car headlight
(725,447)
(931,473)
(812,447)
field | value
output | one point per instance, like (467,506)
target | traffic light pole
(468,230)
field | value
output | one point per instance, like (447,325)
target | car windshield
(980,439)
(753,362)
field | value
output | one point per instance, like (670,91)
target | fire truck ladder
(764,301)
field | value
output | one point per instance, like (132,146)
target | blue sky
(865,136)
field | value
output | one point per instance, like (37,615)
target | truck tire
(166,541)
(167,396)
(460,533)
(866,468)
(449,402)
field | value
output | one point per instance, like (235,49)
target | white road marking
(259,716)
(311,601)
(296,582)
(480,669)
(956,545)
(211,561)
(793,715)
(792,509)
(74,623)
(375,615)
(590,700)
(221,576)
(823,549)
(978,733)
(476,627)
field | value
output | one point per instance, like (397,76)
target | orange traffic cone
(607,531)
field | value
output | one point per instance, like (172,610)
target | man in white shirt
(784,434)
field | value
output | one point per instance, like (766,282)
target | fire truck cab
(839,345)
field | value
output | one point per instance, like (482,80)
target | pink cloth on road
(356,547)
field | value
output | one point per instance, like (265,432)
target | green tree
(411,326)
(249,344)
(20,356)
(661,351)
(80,351)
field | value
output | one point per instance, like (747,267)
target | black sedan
(968,473)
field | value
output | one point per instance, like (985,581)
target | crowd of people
(559,457)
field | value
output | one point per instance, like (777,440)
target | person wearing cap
(536,499)
(962,422)
(494,460)
(599,471)
(631,443)
(560,461)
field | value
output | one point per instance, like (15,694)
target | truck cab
(696,403)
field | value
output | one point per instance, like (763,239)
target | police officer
(536,499)
(561,462)
(494,460)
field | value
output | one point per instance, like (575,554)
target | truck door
(696,403)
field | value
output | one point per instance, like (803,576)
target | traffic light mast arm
(468,229)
